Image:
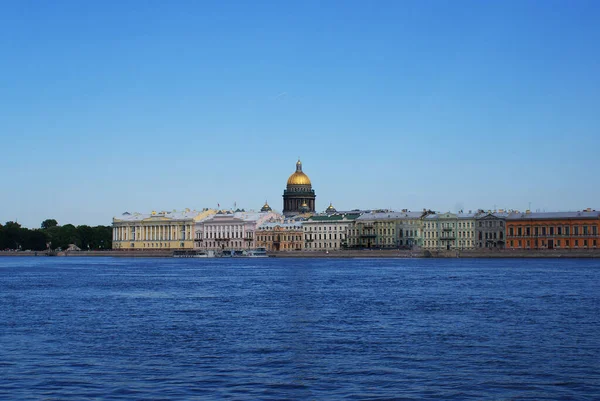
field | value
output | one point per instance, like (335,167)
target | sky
(112,106)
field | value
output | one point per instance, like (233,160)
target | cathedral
(298,197)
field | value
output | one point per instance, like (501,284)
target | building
(387,229)
(279,236)
(229,230)
(409,228)
(490,230)
(298,197)
(157,230)
(448,231)
(369,228)
(327,232)
(557,230)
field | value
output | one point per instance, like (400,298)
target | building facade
(449,231)
(409,226)
(157,230)
(276,237)
(298,197)
(374,230)
(229,230)
(560,230)
(490,230)
(327,232)
(388,229)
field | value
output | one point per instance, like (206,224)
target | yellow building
(162,230)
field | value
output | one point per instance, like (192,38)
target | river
(185,329)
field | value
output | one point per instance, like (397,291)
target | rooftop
(173,215)
(267,226)
(390,216)
(553,215)
(333,217)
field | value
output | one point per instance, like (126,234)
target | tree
(86,237)
(11,237)
(49,223)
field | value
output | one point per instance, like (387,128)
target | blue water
(180,329)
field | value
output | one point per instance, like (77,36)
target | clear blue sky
(108,107)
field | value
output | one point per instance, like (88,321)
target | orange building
(560,230)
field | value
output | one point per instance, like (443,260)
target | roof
(174,215)
(499,215)
(452,216)
(553,215)
(390,216)
(245,216)
(268,226)
(333,217)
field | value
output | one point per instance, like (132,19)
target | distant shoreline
(368,254)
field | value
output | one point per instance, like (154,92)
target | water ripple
(121,329)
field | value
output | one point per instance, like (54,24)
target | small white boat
(257,253)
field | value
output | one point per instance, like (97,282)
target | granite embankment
(388,253)
(509,253)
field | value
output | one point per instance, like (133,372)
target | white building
(327,232)
(228,230)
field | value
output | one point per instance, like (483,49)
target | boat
(193,254)
(257,253)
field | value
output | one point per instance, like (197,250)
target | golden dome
(298,178)
(266,207)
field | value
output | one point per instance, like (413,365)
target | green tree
(49,223)
(34,240)
(11,235)
(85,235)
